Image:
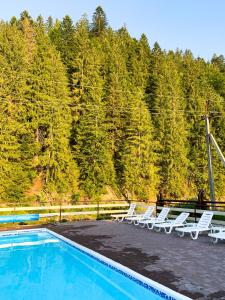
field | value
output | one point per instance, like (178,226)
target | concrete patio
(193,268)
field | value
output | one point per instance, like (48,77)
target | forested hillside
(86,110)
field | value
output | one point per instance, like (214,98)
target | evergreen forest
(89,112)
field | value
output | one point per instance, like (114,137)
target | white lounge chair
(169,225)
(130,212)
(152,221)
(194,229)
(220,235)
(137,218)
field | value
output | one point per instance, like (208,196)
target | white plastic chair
(169,225)
(146,215)
(194,229)
(152,221)
(130,212)
(220,235)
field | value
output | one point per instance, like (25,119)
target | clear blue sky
(198,25)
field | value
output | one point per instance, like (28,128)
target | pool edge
(155,287)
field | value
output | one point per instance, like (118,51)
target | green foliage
(167,104)
(91,139)
(50,118)
(136,159)
(99,21)
(85,109)
(201,96)
(15,176)
(35,125)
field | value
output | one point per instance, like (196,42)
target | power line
(104,87)
(85,105)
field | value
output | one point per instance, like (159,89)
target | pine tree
(129,116)
(67,42)
(51,119)
(25,15)
(13,21)
(116,86)
(99,21)
(15,161)
(138,176)
(54,34)
(49,24)
(195,91)
(215,103)
(91,138)
(40,22)
(217,74)
(129,130)
(167,104)
(200,98)
(219,61)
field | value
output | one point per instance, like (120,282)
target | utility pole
(210,169)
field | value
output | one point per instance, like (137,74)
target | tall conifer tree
(99,21)
(91,138)
(51,119)
(167,106)
(15,158)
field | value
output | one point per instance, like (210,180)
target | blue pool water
(38,265)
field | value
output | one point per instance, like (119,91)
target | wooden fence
(102,209)
(62,211)
(192,206)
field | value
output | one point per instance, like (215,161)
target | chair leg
(180,234)
(194,236)
(150,226)
(158,229)
(214,240)
(142,225)
(169,230)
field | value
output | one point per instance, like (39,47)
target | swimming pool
(40,264)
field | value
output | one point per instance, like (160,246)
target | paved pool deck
(193,268)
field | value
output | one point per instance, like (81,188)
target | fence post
(159,200)
(195,211)
(60,212)
(14,211)
(97,209)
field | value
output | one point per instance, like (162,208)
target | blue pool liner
(155,288)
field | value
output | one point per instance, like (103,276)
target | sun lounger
(130,212)
(219,235)
(194,229)
(135,219)
(169,225)
(152,221)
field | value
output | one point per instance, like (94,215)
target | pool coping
(155,287)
